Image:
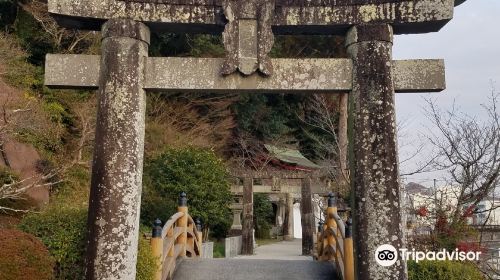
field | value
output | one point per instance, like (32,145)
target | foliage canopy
(199,173)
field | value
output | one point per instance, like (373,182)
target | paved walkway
(277,261)
(284,250)
(243,269)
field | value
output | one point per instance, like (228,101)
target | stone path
(284,250)
(277,261)
(245,269)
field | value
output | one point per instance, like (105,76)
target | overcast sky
(470,45)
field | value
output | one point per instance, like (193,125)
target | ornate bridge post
(375,175)
(115,195)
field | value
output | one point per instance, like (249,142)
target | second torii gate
(124,72)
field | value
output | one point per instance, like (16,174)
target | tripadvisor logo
(387,255)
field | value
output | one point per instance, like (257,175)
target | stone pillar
(307,218)
(236,227)
(115,196)
(280,213)
(236,219)
(247,232)
(288,225)
(374,157)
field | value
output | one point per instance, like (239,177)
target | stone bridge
(178,247)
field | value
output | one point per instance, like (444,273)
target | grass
(219,250)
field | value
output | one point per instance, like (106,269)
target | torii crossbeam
(124,72)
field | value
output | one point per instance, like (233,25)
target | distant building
(487,212)
(420,203)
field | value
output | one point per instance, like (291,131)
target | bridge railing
(180,237)
(334,241)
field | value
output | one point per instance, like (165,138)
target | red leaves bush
(23,256)
(422,211)
(465,246)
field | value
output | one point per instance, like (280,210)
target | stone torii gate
(124,72)
(243,194)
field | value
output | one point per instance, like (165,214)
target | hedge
(443,270)
(63,229)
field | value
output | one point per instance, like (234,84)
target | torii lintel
(288,17)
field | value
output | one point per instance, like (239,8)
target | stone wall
(207,250)
(232,246)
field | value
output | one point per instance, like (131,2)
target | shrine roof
(291,156)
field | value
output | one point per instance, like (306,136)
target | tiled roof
(290,156)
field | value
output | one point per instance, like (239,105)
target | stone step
(245,269)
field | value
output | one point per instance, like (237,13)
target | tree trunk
(247,231)
(307,218)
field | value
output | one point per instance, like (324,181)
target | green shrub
(23,256)
(146,263)
(18,73)
(219,250)
(8,14)
(33,38)
(263,215)
(62,230)
(263,231)
(7,177)
(199,173)
(220,229)
(44,142)
(75,189)
(443,270)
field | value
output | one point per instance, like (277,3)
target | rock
(22,159)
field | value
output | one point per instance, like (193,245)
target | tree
(262,215)
(61,38)
(86,114)
(468,149)
(179,120)
(199,173)
(325,129)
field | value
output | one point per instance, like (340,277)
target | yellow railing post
(170,235)
(157,247)
(337,248)
(182,223)
(348,252)
(330,220)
